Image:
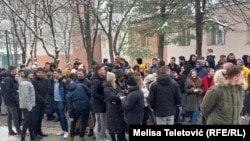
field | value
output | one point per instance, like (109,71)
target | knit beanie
(27,72)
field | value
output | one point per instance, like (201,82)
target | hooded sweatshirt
(78,97)
(164,96)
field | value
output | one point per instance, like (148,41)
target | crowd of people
(113,95)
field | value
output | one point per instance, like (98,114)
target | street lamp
(6,25)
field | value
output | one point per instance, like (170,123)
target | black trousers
(28,123)
(39,112)
(118,137)
(84,114)
(13,116)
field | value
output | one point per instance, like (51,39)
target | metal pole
(7,48)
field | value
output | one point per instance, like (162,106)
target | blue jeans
(39,112)
(152,115)
(59,108)
(194,114)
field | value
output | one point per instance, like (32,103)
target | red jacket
(205,83)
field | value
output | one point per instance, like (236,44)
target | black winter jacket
(41,86)
(9,91)
(134,106)
(164,96)
(97,94)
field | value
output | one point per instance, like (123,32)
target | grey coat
(27,98)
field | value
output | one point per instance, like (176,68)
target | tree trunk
(161,36)
(199,15)
(111,51)
(160,46)
(110,38)
(89,59)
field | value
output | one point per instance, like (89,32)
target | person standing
(181,111)
(207,81)
(19,111)
(49,108)
(194,90)
(78,102)
(3,106)
(41,87)
(154,68)
(164,96)
(59,92)
(11,98)
(27,103)
(99,102)
(116,123)
(46,67)
(133,103)
(223,102)
(210,58)
(82,79)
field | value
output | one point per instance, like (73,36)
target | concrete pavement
(51,128)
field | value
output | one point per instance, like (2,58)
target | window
(216,37)
(144,41)
(4,60)
(184,39)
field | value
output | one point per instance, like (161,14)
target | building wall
(78,51)
(236,41)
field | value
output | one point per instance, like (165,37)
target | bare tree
(112,17)
(87,25)
(43,13)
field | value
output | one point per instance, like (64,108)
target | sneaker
(60,133)
(65,135)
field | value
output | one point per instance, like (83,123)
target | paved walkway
(51,128)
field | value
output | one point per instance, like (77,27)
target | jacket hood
(220,77)
(164,80)
(72,87)
(200,62)
(212,55)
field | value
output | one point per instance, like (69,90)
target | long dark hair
(196,81)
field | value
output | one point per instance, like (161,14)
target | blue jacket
(78,98)
(62,88)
